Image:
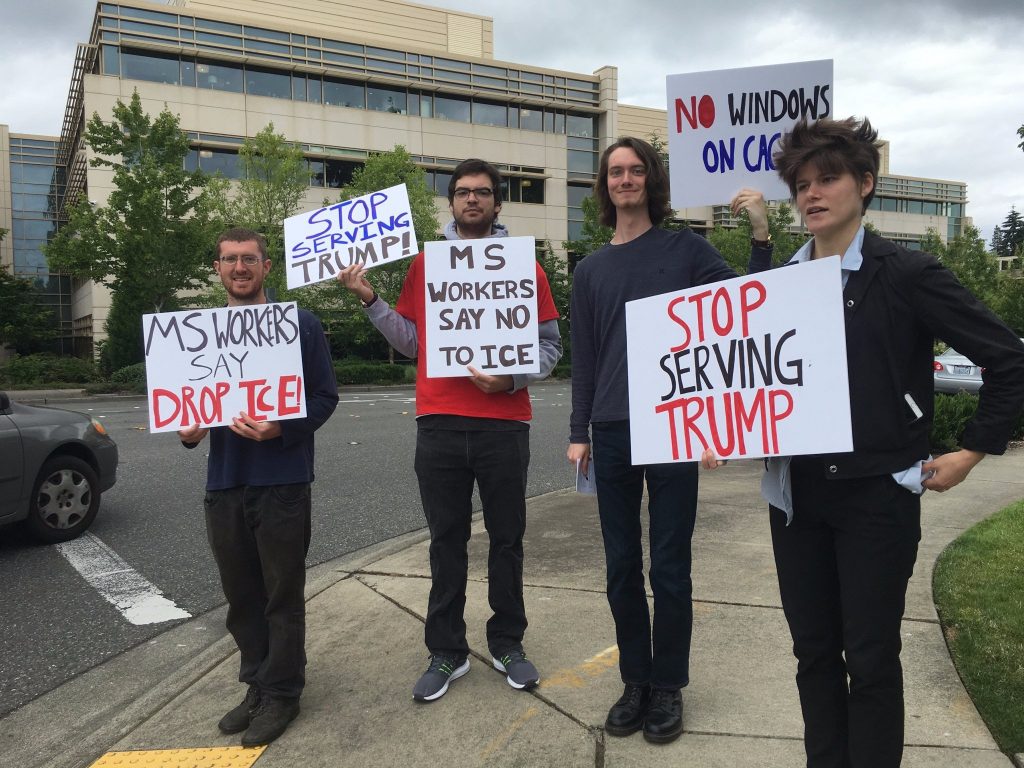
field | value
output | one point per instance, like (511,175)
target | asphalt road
(54,625)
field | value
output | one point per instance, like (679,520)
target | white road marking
(118,583)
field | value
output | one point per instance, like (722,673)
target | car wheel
(65,499)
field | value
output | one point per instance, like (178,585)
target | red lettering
(690,115)
(720,295)
(682,324)
(745,418)
(167,394)
(776,415)
(284,394)
(254,399)
(698,299)
(706,111)
(747,305)
(722,450)
(689,423)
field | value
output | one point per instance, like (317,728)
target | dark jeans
(843,566)
(672,504)
(259,537)
(447,464)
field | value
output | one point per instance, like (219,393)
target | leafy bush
(373,373)
(45,369)
(952,412)
(131,377)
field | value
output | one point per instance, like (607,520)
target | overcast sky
(943,81)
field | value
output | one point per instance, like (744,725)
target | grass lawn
(979,593)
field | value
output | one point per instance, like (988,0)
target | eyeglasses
(482,193)
(249,261)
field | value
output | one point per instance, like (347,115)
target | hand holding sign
(490,384)
(353,277)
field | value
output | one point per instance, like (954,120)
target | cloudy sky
(942,80)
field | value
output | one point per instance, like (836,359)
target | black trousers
(259,537)
(448,462)
(658,651)
(843,566)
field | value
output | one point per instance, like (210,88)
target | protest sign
(205,366)
(724,126)
(752,366)
(373,229)
(481,306)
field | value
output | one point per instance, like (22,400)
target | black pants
(447,464)
(843,565)
(657,653)
(259,537)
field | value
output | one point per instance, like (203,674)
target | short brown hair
(472,167)
(834,146)
(658,206)
(241,235)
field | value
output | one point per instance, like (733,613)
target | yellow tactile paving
(211,757)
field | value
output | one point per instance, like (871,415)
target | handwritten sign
(481,306)
(205,366)
(723,127)
(749,367)
(373,229)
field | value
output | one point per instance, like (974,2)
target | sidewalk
(365,648)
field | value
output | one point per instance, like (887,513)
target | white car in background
(956,373)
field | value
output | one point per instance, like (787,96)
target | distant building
(344,80)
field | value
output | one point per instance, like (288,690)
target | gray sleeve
(399,330)
(550,353)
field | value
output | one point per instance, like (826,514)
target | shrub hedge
(46,369)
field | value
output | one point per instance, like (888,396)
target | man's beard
(479,228)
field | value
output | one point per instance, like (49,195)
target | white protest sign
(752,366)
(373,229)
(206,366)
(481,306)
(724,125)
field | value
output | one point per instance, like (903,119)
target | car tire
(65,499)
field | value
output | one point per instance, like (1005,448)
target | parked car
(54,466)
(955,373)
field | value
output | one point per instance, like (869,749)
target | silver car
(956,373)
(54,465)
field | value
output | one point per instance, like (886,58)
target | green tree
(153,237)
(593,234)
(1008,238)
(966,257)
(339,310)
(734,243)
(26,326)
(275,178)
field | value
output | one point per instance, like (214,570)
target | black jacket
(895,306)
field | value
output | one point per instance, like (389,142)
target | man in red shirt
(473,429)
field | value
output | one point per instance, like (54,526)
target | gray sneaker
(519,670)
(442,670)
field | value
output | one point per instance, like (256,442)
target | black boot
(664,722)
(627,714)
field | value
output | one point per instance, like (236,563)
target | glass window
(110,36)
(386,99)
(223,161)
(32,229)
(339,172)
(452,108)
(192,160)
(267,82)
(452,64)
(31,203)
(490,113)
(152,29)
(531,88)
(316,173)
(262,45)
(559,122)
(108,23)
(342,93)
(390,66)
(487,70)
(37,174)
(576,194)
(441,181)
(582,162)
(221,26)
(298,52)
(270,34)
(575,229)
(188,73)
(299,87)
(210,37)
(532,76)
(888,204)
(459,77)
(582,125)
(111,61)
(343,58)
(956,210)
(531,119)
(139,13)
(914,206)
(414,103)
(491,81)
(531,190)
(426,105)
(549,122)
(155,67)
(314,89)
(219,77)
(930,208)
(513,116)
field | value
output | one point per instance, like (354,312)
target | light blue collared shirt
(776,483)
